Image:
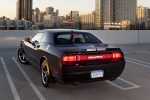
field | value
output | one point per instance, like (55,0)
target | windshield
(75,38)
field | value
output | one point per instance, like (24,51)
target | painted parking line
(12,86)
(138,63)
(144,52)
(123,84)
(40,96)
(137,60)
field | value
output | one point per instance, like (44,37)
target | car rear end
(92,66)
(85,58)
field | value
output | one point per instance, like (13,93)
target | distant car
(71,57)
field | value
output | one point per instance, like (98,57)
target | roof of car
(60,30)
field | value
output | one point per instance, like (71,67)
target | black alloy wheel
(22,56)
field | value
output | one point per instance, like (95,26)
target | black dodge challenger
(71,57)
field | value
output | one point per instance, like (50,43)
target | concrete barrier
(12,38)
(116,37)
(144,36)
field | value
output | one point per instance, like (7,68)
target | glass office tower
(24,10)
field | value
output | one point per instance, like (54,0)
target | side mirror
(27,39)
(36,41)
(37,44)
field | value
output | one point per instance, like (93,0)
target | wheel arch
(45,58)
(21,45)
(42,59)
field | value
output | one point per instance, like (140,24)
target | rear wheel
(22,57)
(46,76)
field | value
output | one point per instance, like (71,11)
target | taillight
(117,55)
(69,58)
(78,59)
(93,57)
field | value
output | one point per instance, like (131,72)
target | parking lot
(22,82)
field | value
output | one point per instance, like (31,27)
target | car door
(28,47)
(35,40)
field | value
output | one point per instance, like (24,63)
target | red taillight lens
(117,55)
(80,59)
(93,57)
(69,58)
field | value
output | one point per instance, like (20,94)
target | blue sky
(8,7)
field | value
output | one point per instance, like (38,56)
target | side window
(44,39)
(66,36)
(37,37)
(63,39)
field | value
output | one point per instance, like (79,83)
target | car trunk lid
(87,48)
(90,55)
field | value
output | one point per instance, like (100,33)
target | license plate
(97,74)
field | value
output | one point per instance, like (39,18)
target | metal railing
(30,26)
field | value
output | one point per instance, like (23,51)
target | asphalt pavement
(22,82)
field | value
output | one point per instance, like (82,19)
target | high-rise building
(87,21)
(36,11)
(68,16)
(108,11)
(114,11)
(125,10)
(74,17)
(49,10)
(57,12)
(143,16)
(99,14)
(24,9)
(40,16)
(36,14)
(17,10)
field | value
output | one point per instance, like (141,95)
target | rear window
(75,38)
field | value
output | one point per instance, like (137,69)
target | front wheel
(22,56)
(46,76)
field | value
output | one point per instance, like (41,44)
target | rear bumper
(81,74)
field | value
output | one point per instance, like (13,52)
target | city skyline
(64,7)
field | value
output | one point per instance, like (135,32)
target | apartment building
(87,21)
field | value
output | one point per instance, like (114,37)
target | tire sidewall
(19,58)
(49,75)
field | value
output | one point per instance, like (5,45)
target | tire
(22,56)
(46,76)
